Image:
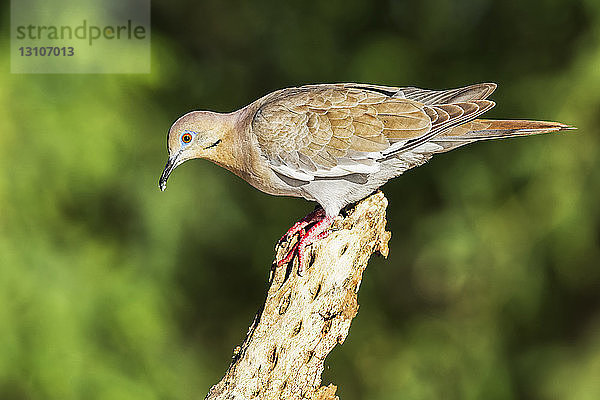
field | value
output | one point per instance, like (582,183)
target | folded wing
(331,131)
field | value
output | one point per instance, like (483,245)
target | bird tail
(485,129)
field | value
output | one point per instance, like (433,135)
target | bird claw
(299,227)
(289,256)
(319,230)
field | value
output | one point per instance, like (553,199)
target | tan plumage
(337,143)
(335,130)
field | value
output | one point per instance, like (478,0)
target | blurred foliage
(113,290)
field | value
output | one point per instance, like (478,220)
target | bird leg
(311,218)
(319,230)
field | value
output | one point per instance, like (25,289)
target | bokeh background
(110,289)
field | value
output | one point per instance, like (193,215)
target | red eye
(186,138)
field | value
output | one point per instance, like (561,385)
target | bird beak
(172,162)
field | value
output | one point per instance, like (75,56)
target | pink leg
(288,257)
(320,230)
(299,226)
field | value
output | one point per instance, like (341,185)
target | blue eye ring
(186,137)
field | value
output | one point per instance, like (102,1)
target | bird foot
(311,218)
(319,230)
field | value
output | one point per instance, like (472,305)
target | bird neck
(227,154)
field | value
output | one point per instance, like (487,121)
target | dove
(337,143)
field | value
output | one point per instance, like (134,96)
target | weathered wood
(305,317)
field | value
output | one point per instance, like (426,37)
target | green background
(110,289)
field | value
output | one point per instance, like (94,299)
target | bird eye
(186,138)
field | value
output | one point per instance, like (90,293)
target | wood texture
(305,317)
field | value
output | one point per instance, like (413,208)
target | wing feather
(320,131)
(478,91)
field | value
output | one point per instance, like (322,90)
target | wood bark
(305,317)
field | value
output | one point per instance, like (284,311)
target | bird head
(197,134)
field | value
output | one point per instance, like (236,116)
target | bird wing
(478,91)
(322,131)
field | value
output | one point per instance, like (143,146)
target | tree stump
(305,317)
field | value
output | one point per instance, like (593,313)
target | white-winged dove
(337,143)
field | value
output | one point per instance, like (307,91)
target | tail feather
(484,129)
